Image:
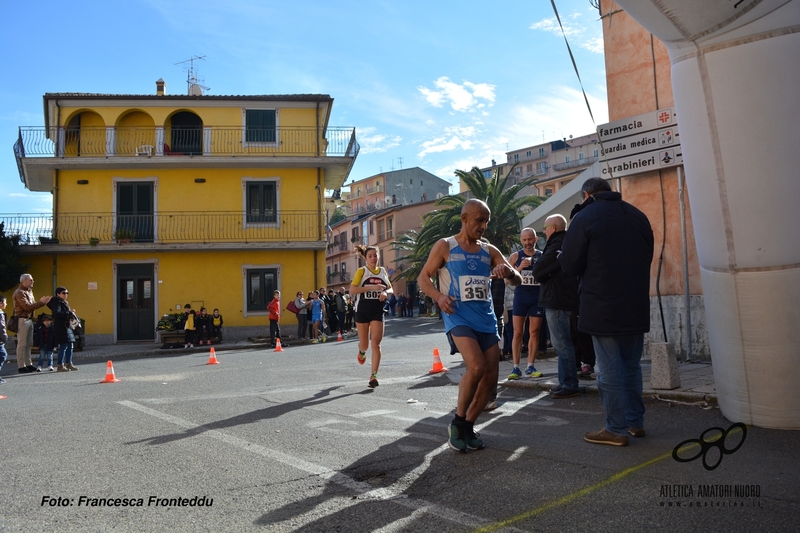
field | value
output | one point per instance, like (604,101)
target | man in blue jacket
(609,245)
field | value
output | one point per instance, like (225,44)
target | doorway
(135,302)
(135,211)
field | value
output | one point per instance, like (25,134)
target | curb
(674,394)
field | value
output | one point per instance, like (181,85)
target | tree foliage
(11,266)
(503,229)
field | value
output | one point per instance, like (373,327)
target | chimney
(161,87)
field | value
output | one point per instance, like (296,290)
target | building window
(390,227)
(344,271)
(580,155)
(529,168)
(516,158)
(260,126)
(517,171)
(596,153)
(372,227)
(262,201)
(542,166)
(528,153)
(261,283)
(548,192)
(566,159)
(541,152)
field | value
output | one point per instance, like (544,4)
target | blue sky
(438,84)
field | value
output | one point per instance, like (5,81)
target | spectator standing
(45,340)
(62,316)
(610,246)
(189,329)
(340,302)
(302,317)
(24,306)
(559,297)
(274,308)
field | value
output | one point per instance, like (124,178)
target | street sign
(646,142)
(635,164)
(635,125)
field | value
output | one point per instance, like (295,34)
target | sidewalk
(696,379)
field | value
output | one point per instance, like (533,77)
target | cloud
(587,37)
(454,138)
(465,97)
(372,142)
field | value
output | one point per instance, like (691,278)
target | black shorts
(363,317)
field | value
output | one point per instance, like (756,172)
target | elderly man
(24,306)
(610,246)
(526,305)
(559,297)
(464,265)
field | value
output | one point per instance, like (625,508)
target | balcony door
(135,211)
(187,133)
(135,302)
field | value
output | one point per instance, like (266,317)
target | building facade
(162,200)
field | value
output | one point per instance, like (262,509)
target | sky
(439,85)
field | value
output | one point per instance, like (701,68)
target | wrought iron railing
(163,228)
(585,162)
(178,141)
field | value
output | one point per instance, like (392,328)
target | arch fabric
(735,77)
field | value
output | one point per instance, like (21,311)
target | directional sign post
(640,144)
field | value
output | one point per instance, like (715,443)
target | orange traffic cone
(110,377)
(278,347)
(212,359)
(340,337)
(437,363)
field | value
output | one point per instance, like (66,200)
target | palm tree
(502,230)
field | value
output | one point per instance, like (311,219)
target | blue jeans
(558,323)
(65,352)
(44,353)
(3,354)
(620,380)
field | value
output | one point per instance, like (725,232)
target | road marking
(517,454)
(377,412)
(394,492)
(571,497)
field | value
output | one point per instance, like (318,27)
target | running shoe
(532,373)
(373,381)
(456,437)
(472,438)
(515,374)
(314,341)
(362,356)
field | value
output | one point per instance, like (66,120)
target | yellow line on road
(587,490)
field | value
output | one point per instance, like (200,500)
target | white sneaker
(38,369)
(191,345)
(185,346)
(50,368)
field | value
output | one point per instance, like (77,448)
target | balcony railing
(184,141)
(163,228)
(585,162)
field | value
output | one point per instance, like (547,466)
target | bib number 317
(473,288)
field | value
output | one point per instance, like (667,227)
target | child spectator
(203,324)
(45,338)
(188,326)
(215,322)
(3,334)
(274,308)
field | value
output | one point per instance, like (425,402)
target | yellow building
(162,200)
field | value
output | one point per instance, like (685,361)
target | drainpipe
(685,252)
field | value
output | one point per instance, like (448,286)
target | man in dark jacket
(559,296)
(610,246)
(62,315)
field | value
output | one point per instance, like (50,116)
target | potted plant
(94,241)
(123,235)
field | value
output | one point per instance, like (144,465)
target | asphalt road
(294,441)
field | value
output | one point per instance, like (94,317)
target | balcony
(585,162)
(373,190)
(165,230)
(40,150)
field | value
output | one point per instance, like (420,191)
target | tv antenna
(400,162)
(194,85)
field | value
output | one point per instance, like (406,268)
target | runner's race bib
(527,278)
(473,288)
(373,295)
